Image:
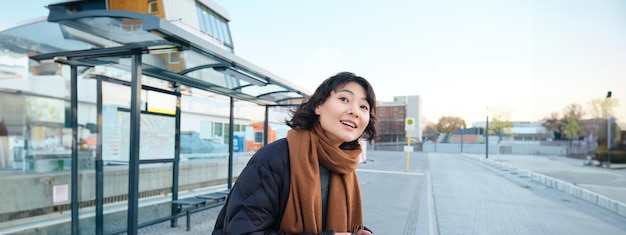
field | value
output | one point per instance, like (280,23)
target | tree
(430,132)
(602,108)
(553,124)
(576,112)
(501,124)
(571,129)
(448,124)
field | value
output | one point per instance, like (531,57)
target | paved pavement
(431,193)
(494,196)
(610,183)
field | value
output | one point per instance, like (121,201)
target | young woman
(306,183)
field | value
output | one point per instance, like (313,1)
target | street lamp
(462,132)
(436,139)
(487,138)
(487,134)
(608,134)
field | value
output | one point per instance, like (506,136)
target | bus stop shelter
(138,43)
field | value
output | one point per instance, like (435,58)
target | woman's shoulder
(277,151)
(279,146)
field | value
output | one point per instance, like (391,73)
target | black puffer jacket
(257,200)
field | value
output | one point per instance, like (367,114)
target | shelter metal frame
(170,39)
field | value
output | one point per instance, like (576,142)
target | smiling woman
(305,183)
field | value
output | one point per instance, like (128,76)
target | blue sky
(21,11)
(463,58)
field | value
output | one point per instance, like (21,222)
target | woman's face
(345,113)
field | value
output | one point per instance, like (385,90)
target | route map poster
(157,136)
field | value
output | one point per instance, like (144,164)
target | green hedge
(617,156)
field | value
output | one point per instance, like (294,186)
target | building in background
(392,115)
(520,131)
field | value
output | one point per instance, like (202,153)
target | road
(451,194)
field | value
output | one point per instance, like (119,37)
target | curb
(566,187)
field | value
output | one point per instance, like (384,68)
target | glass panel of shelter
(105,32)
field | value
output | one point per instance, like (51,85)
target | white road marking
(389,172)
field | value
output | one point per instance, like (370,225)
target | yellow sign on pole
(409,124)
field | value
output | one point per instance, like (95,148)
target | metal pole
(408,154)
(462,130)
(487,139)
(608,142)
(74,164)
(99,163)
(266,125)
(608,131)
(133,153)
(176,164)
(230,142)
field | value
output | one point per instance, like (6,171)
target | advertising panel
(157,135)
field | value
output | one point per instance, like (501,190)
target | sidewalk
(604,187)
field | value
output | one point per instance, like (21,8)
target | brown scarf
(303,213)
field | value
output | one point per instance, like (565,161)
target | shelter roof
(169,52)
